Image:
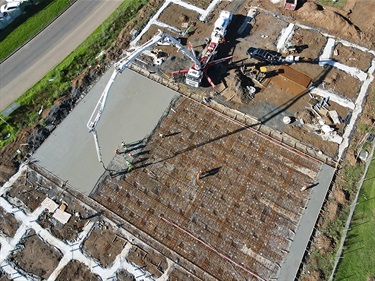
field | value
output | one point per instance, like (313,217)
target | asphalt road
(30,63)
(133,109)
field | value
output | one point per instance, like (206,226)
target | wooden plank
(294,76)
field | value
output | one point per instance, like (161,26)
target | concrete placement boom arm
(120,66)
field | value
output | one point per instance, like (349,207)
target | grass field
(337,4)
(26,26)
(358,259)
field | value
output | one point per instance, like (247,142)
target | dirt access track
(214,193)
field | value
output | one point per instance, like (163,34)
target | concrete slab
(290,266)
(134,107)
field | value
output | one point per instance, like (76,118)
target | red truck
(290,4)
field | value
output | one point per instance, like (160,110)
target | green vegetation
(337,4)
(26,26)
(324,261)
(57,82)
(358,262)
(321,260)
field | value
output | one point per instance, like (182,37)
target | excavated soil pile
(329,20)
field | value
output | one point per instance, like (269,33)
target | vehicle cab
(193,77)
(269,56)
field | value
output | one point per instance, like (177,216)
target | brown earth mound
(361,13)
(329,20)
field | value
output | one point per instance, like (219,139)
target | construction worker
(124,146)
(130,166)
(200,174)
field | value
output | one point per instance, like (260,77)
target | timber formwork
(237,220)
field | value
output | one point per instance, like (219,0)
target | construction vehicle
(194,75)
(267,56)
(221,24)
(290,48)
(160,38)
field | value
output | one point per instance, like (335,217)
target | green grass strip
(358,261)
(336,4)
(26,26)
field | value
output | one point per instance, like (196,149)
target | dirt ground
(176,15)
(177,275)
(310,43)
(28,190)
(354,21)
(152,262)
(31,189)
(324,244)
(288,101)
(77,271)
(263,33)
(33,246)
(9,165)
(352,57)
(123,275)
(8,223)
(340,82)
(200,3)
(104,244)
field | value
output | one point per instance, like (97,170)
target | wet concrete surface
(134,107)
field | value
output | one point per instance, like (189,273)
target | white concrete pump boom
(120,66)
(195,74)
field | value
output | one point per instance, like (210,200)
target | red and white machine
(194,75)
